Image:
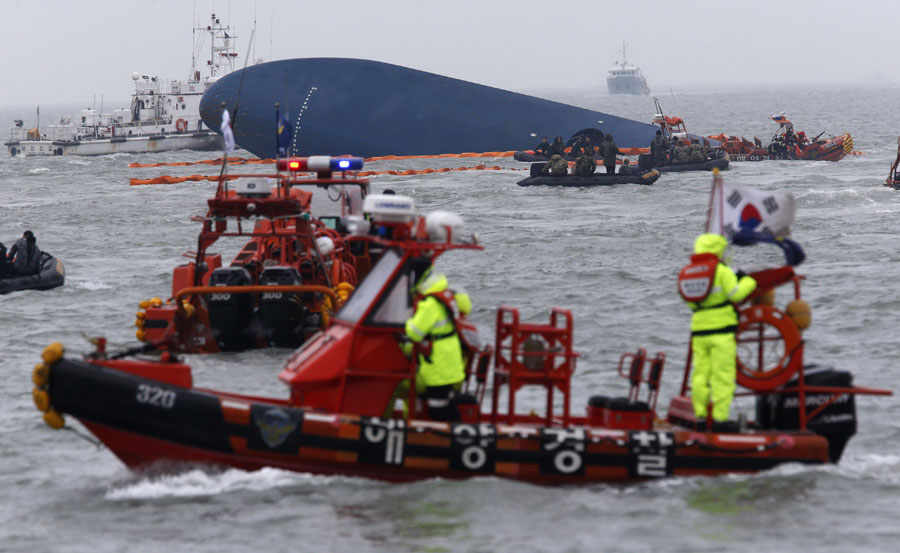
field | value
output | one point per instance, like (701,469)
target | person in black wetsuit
(4,264)
(25,256)
(541,149)
(557,148)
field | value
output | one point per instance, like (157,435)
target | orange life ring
(181,125)
(756,333)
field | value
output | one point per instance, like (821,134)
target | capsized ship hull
(369,108)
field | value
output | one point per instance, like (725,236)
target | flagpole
(712,195)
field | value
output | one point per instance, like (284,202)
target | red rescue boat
(341,415)
(785,144)
(299,264)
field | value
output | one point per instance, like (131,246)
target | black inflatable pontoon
(50,276)
(597,179)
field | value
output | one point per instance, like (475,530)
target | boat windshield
(368,290)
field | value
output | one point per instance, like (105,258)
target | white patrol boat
(624,78)
(164,114)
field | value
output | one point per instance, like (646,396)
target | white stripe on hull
(134,145)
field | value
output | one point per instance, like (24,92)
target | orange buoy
(799,312)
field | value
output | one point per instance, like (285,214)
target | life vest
(467,332)
(695,281)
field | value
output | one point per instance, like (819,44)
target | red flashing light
(292,164)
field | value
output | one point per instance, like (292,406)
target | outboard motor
(837,422)
(645,162)
(281,313)
(230,314)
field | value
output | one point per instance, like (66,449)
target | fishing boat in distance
(342,106)
(344,412)
(625,78)
(164,114)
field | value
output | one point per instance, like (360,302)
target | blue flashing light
(346,163)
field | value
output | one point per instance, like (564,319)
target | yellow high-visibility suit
(445,365)
(713,327)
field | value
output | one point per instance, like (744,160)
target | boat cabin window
(395,306)
(368,290)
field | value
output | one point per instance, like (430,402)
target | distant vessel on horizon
(626,79)
(164,114)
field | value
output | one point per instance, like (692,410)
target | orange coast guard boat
(342,414)
(298,266)
(787,145)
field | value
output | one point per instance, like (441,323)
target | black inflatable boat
(718,159)
(50,276)
(597,179)
(531,158)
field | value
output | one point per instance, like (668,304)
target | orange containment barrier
(230,161)
(246,160)
(167,179)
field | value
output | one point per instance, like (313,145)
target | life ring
(181,125)
(756,335)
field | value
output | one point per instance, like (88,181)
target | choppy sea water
(609,254)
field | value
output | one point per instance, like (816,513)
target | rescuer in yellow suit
(713,328)
(441,360)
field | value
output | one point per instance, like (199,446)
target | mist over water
(609,254)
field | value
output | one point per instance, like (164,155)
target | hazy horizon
(69,52)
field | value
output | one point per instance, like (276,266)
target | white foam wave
(92,285)
(38,170)
(198,483)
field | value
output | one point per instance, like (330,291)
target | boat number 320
(156,396)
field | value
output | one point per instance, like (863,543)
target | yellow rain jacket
(716,311)
(713,345)
(432,321)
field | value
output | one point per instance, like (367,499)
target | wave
(202,483)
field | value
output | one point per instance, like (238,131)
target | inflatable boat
(597,179)
(343,413)
(51,275)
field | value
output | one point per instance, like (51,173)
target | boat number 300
(156,396)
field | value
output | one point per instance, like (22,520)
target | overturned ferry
(343,414)
(366,108)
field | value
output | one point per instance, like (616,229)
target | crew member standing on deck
(610,151)
(440,360)
(658,149)
(712,291)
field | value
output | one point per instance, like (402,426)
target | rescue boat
(49,275)
(342,416)
(297,267)
(599,178)
(787,145)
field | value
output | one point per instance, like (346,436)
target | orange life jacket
(695,281)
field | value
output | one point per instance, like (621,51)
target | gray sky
(68,51)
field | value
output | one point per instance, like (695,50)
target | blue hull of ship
(368,108)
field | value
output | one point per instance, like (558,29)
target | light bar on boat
(320,163)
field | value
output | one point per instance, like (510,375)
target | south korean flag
(735,208)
